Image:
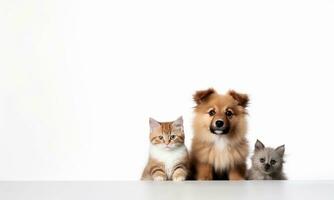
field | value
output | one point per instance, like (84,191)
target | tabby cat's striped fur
(168,159)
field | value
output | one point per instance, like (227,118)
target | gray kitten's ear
(259,145)
(178,124)
(153,124)
(280,150)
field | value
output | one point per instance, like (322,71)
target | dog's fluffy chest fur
(220,153)
(170,158)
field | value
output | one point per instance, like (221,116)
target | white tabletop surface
(137,190)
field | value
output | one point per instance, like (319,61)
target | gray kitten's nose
(266,166)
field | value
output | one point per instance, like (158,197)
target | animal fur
(267,163)
(168,159)
(219,151)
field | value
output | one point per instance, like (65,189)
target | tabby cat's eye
(272,162)
(212,112)
(262,160)
(160,137)
(172,137)
(229,113)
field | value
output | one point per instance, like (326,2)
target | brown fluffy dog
(219,146)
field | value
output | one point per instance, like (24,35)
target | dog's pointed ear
(153,124)
(259,145)
(202,95)
(280,150)
(242,99)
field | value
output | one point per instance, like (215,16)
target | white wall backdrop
(79,80)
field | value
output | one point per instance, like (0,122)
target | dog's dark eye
(212,112)
(229,113)
(262,160)
(172,137)
(160,137)
(272,162)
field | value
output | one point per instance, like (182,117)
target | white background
(79,80)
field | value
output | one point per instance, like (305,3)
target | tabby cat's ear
(178,124)
(259,145)
(153,124)
(280,150)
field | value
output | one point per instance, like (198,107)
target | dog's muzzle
(220,131)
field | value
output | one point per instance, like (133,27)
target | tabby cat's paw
(179,178)
(159,178)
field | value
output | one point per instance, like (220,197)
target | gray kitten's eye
(272,162)
(160,137)
(212,112)
(172,137)
(262,160)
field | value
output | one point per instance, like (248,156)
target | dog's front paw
(205,178)
(236,179)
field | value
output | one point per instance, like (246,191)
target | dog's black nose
(219,123)
(267,166)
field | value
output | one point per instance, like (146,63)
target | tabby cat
(168,158)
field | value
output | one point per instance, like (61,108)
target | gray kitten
(267,163)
